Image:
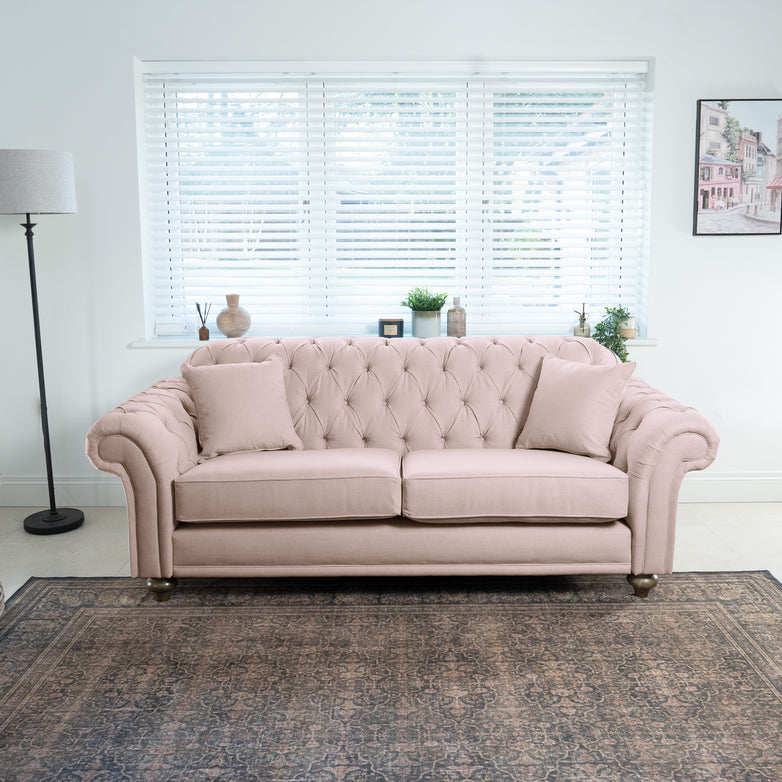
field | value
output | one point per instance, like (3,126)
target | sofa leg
(161,588)
(642,584)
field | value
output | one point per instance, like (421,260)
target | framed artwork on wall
(738,168)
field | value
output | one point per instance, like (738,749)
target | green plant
(607,332)
(420,300)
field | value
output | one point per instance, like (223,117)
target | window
(322,195)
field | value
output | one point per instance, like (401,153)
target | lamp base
(47,523)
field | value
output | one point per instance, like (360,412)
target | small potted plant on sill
(426,308)
(613,331)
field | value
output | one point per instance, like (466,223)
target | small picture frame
(738,167)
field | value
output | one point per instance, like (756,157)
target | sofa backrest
(407,394)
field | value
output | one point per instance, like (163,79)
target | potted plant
(426,308)
(612,331)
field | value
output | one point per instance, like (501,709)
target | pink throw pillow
(241,407)
(574,407)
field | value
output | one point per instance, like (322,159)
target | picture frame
(738,167)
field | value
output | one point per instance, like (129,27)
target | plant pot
(426,324)
(628,328)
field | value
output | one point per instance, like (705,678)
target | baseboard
(31,490)
(70,491)
(731,487)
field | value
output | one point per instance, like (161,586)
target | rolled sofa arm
(656,440)
(148,441)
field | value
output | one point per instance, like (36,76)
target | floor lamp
(35,181)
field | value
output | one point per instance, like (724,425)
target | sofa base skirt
(398,547)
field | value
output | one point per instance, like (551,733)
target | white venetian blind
(322,198)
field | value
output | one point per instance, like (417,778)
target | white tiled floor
(727,536)
(98,548)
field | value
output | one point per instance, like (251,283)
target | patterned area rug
(434,680)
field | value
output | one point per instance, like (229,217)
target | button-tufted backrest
(407,394)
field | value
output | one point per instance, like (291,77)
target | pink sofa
(482,455)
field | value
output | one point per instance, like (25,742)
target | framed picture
(738,168)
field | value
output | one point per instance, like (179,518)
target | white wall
(66,83)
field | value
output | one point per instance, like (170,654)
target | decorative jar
(234,320)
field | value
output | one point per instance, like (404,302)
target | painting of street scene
(738,177)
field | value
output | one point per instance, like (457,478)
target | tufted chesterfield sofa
(408,467)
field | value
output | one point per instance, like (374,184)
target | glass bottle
(457,320)
(583,329)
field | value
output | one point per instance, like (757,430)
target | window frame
(292,70)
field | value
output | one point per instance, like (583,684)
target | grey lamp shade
(35,181)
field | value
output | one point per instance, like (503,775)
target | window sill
(171,342)
(642,343)
(177,343)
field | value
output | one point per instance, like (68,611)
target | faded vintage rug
(556,679)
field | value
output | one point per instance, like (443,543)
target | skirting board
(731,487)
(97,490)
(70,491)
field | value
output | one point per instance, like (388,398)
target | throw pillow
(574,407)
(241,407)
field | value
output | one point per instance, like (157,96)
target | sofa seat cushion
(338,483)
(495,484)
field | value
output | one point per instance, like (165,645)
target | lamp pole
(54,520)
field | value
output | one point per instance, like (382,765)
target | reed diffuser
(203,332)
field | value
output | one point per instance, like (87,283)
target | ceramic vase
(234,320)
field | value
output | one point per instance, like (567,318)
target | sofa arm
(148,441)
(656,440)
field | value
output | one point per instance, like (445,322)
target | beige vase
(234,320)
